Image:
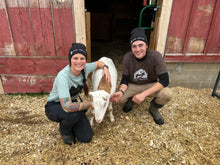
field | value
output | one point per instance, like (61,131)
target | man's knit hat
(77,48)
(138,34)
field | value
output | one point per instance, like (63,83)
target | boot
(128,105)
(68,139)
(155,112)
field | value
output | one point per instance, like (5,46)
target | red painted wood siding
(35,37)
(194,31)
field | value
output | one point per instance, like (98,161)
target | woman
(62,106)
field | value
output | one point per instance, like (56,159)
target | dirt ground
(190,134)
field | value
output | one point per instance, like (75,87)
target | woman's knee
(51,112)
(85,139)
(74,116)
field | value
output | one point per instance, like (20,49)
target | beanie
(77,48)
(138,34)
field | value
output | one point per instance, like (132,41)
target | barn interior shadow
(111,23)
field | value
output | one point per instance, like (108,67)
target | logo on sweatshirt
(140,75)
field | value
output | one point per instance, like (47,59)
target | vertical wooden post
(80,22)
(1,86)
(161,26)
(88,35)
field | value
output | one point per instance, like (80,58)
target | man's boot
(155,112)
(128,105)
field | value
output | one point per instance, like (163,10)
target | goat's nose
(98,121)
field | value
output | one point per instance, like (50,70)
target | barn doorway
(111,23)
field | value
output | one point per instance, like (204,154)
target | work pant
(161,97)
(73,124)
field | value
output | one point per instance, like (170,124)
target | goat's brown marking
(105,85)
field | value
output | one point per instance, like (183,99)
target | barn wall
(35,37)
(192,49)
(194,31)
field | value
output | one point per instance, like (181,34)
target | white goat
(102,91)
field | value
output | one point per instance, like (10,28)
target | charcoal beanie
(138,34)
(77,48)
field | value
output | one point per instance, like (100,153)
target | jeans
(72,123)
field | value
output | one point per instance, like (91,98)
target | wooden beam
(88,35)
(27,84)
(163,25)
(1,86)
(32,65)
(80,22)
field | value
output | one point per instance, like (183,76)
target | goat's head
(100,103)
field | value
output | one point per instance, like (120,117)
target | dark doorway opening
(111,23)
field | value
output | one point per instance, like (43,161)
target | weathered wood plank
(32,28)
(32,65)
(21,27)
(213,41)
(180,15)
(1,86)
(42,23)
(63,26)
(6,40)
(27,84)
(88,35)
(163,24)
(199,24)
(79,21)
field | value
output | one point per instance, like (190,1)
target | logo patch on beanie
(138,38)
(78,51)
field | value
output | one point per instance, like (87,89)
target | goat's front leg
(110,108)
(92,118)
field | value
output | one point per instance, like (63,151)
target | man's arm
(115,97)
(163,82)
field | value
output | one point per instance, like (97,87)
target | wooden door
(194,31)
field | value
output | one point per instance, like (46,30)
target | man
(144,75)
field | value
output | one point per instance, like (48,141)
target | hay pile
(190,134)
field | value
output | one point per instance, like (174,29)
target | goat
(102,90)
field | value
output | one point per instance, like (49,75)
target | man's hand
(138,98)
(115,97)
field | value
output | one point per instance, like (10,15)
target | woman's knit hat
(138,34)
(77,48)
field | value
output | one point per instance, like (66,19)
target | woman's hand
(107,74)
(85,105)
